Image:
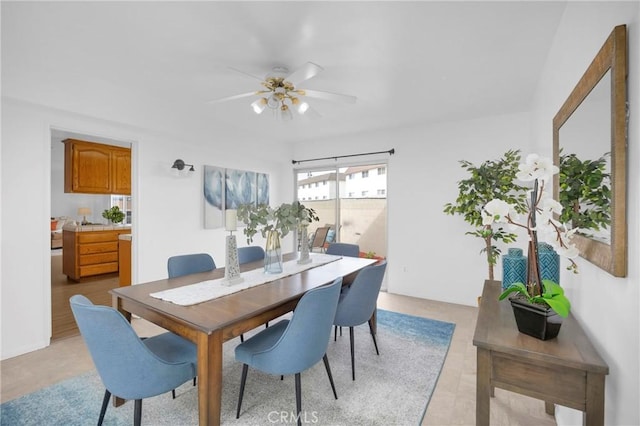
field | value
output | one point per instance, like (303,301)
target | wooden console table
(566,370)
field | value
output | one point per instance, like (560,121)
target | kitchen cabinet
(95,168)
(89,251)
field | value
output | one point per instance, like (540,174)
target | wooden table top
(227,310)
(496,330)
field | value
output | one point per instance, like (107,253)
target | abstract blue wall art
(240,188)
(263,188)
(213,196)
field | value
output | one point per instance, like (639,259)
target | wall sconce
(180,165)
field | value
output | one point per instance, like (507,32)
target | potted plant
(493,179)
(538,304)
(274,224)
(114,214)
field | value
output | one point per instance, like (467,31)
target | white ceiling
(407,62)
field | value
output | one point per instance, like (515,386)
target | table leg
(483,387)
(209,378)
(594,416)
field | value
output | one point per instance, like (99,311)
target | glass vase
(273,254)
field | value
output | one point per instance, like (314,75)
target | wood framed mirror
(589,144)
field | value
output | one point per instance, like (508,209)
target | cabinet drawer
(103,268)
(92,259)
(97,237)
(98,248)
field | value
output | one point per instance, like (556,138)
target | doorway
(76,208)
(351,201)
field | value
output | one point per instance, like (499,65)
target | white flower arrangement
(540,222)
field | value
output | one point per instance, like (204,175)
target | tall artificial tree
(493,179)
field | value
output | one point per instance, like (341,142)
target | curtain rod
(390,152)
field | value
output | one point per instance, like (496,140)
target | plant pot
(534,320)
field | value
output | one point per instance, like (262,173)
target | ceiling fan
(280,92)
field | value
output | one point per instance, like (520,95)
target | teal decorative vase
(514,267)
(549,263)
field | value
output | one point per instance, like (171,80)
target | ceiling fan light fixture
(273,102)
(285,113)
(259,105)
(303,107)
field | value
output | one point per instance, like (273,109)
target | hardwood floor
(96,289)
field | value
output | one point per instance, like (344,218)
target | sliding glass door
(351,202)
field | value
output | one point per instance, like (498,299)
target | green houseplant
(114,214)
(273,224)
(540,300)
(585,192)
(493,179)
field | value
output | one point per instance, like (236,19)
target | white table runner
(212,289)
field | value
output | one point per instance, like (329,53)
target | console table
(566,370)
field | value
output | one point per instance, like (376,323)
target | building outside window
(124,204)
(382,170)
(365,173)
(381,191)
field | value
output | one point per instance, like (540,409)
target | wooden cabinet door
(94,168)
(121,171)
(87,168)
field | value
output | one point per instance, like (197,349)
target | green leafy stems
(552,295)
(492,179)
(585,192)
(282,219)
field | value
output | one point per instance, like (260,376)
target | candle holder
(231,265)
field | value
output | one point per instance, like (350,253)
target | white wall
(169,217)
(606,306)
(429,254)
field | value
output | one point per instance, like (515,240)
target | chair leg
(105,403)
(374,337)
(266,324)
(173,394)
(353,366)
(298,399)
(241,338)
(335,333)
(137,412)
(326,365)
(245,368)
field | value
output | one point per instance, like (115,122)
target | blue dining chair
(131,367)
(293,346)
(190,264)
(250,254)
(344,249)
(358,303)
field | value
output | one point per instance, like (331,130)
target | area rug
(392,388)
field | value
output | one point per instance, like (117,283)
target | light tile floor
(452,403)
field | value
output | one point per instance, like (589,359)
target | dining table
(210,323)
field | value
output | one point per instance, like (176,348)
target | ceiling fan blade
(246,73)
(312,113)
(234,97)
(303,73)
(337,97)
